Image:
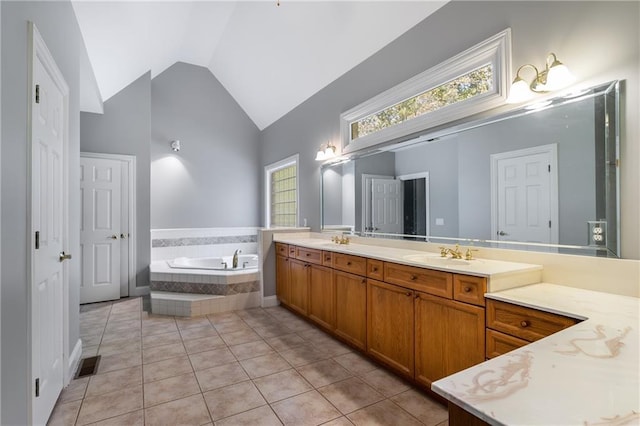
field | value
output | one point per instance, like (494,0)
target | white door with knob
(386,200)
(100,229)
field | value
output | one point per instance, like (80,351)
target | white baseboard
(269,301)
(74,361)
(140,291)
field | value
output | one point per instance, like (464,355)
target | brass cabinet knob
(348,263)
(408,294)
(374,269)
(524,323)
(467,289)
(414,277)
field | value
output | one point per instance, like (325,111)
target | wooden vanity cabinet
(299,286)
(500,343)
(283,289)
(351,308)
(390,325)
(322,296)
(449,337)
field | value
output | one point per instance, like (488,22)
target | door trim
(130,162)
(37,48)
(552,150)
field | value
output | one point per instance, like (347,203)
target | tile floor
(252,367)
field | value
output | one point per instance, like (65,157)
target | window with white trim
(470,82)
(281,189)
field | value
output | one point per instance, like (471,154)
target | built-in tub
(222,263)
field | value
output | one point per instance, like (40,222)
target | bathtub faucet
(235,258)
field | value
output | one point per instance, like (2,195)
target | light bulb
(558,77)
(520,92)
(320,156)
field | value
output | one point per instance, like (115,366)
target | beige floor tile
(213,358)
(185,411)
(91,340)
(304,354)
(251,349)
(223,317)
(117,336)
(218,377)
(135,418)
(234,399)
(119,361)
(285,342)
(110,405)
(239,337)
(184,323)
(170,389)
(65,414)
(198,332)
(265,365)
(350,395)
(159,328)
(159,353)
(332,347)
(424,409)
(384,382)
(323,373)
(129,345)
(314,335)
(271,330)
(340,421)
(89,351)
(262,416)
(299,326)
(161,339)
(355,363)
(122,326)
(203,344)
(282,385)
(382,414)
(129,315)
(231,326)
(445,423)
(149,319)
(167,368)
(306,409)
(114,380)
(74,391)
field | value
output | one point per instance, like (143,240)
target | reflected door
(524,196)
(386,200)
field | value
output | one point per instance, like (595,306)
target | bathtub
(245,262)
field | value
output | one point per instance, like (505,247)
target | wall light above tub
(175,145)
(555,76)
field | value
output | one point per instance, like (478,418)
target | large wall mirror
(543,177)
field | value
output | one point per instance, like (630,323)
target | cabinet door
(390,319)
(351,308)
(322,296)
(449,337)
(282,279)
(299,286)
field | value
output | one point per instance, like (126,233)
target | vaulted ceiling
(270,58)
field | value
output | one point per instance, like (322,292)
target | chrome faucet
(235,258)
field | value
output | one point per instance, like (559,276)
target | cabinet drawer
(500,343)
(309,255)
(469,289)
(525,323)
(426,280)
(327,257)
(348,263)
(282,249)
(375,269)
(292,251)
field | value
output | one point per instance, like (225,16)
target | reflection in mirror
(541,178)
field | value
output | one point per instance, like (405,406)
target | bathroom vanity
(486,335)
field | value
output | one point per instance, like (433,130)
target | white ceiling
(270,58)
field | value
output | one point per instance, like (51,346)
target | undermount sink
(437,260)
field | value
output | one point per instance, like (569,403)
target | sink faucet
(235,258)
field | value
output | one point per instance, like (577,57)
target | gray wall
(125,128)
(579,32)
(57,24)
(214,180)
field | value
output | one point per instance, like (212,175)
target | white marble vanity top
(587,374)
(501,274)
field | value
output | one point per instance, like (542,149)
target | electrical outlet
(597,232)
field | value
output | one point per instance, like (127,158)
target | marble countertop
(587,374)
(501,274)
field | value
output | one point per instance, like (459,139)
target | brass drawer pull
(525,323)
(414,277)
(467,289)
(349,263)
(374,269)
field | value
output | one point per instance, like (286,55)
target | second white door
(386,199)
(100,186)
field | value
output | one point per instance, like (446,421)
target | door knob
(64,256)
(124,236)
(502,233)
(113,237)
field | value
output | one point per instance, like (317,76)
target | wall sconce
(175,145)
(327,153)
(555,76)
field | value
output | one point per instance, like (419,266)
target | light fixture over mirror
(327,153)
(555,76)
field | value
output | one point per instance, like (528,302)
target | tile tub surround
(586,374)
(202,242)
(228,369)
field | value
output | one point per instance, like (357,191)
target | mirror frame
(484,119)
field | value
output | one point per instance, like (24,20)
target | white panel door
(524,208)
(386,199)
(100,188)
(48,117)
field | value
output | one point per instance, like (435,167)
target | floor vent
(88,366)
